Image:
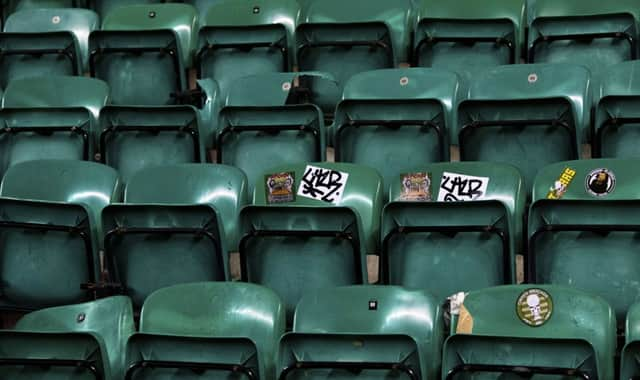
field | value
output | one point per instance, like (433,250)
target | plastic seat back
(396,119)
(228,329)
(80,22)
(369,332)
(238,38)
(616,116)
(583,229)
(142,52)
(545,331)
(222,187)
(310,227)
(453,227)
(39,41)
(629,366)
(44,133)
(344,39)
(592,33)
(57,92)
(256,138)
(49,231)
(526,115)
(133,138)
(466,35)
(104,7)
(70,341)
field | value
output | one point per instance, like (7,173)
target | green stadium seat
(395,119)
(364,332)
(345,38)
(181,216)
(203,6)
(256,136)
(588,32)
(104,7)
(629,364)
(583,227)
(218,329)
(44,133)
(616,117)
(240,38)
(42,42)
(525,115)
(525,331)
(58,92)
(19,5)
(82,341)
(133,138)
(466,34)
(310,227)
(453,227)
(279,89)
(49,229)
(142,52)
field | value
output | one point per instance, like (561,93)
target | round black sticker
(600,182)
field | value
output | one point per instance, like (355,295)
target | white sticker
(456,187)
(532,78)
(322,184)
(55,19)
(286,86)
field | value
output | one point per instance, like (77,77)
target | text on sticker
(322,184)
(456,187)
(561,185)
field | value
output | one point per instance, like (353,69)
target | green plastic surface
(600,258)
(46,269)
(550,18)
(57,91)
(446,262)
(80,22)
(255,151)
(580,333)
(618,100)
(365,324)
(43,142)
(467,19)
(557,96)
(211,322)
(96,330)
(104,7)
(222,187)
(629,365)
(163,135)
(263,28)
(418,95)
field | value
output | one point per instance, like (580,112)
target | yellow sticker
(561,185)
(465,321)
(534,307)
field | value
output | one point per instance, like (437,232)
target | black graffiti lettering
(457,188)
(450,198)
(323,184)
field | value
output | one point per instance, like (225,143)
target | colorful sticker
(323,184)
(416,187)
(600,182)
(534,307)
(561,185)
(456,187)
(280,187)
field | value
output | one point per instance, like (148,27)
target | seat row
(67,235)
(375,332)
(392,120)
(139,44)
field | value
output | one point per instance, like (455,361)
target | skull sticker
(534,307)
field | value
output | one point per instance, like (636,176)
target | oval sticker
(534,307)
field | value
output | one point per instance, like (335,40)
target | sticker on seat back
(323,184)
(600,182)
(534,307)
(280,187)
(561,185)
(416,187)
(455,187)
